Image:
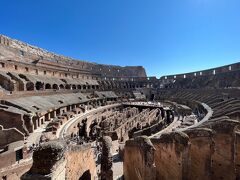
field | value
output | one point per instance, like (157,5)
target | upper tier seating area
(32,111)
(222,77)
(223,102)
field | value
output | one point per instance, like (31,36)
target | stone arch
(79,87)
(48,86)
(61,86)
(55,86)
(74,86)
(30,86)
(68,86)
(86,176)
(39,85)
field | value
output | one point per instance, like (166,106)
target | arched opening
(39,85)
(55,86)
(68,86)
(30,86)
(47,86)
(74,87)
(84,86)
(61,86)
(79,87)
(19,84)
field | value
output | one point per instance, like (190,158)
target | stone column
(106,160)
(139,159)
(48,162)
(171,155)
(223,156)
(200,153)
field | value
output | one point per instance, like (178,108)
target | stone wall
(23,51)
(8,136)
(209,151)
(80,159)
(49,162)
(12,120)
(213,71)
(15,171)
(139,159)
(171,156)
(57,160)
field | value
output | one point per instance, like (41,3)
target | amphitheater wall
(7,158)
(8,136)
(139,159)
(224,149)
(15,172)
(214,71)
(80,159)
(171,156)
(12,120)
(200,153)
(90,117)
(208,151)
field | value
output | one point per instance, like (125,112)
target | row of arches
(108,85)
(68,111)
(103,85)
(30,86)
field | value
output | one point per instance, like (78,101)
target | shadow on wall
(86,176)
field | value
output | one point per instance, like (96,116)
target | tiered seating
(220,101)
(33,111)
(222,80)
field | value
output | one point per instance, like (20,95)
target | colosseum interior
(62,118)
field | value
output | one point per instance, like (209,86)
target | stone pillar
(139,159)
(223,156)
(38,122)
(200,153)
(34,120)
(41,120)
(74,106)
(48,162)
(28,121)
(53,114)
(106,160)
(171,155)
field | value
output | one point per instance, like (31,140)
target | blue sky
(164,36)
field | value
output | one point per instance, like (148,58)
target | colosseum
(62,118)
